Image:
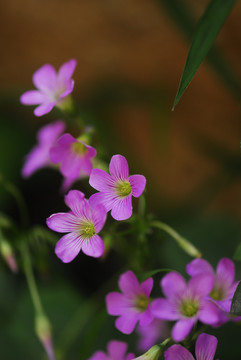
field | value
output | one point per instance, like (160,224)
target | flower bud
(7,253)
(152,354)
(43,331)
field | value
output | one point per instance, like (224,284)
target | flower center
(78,148)
(189,307)
(141,302)
(217,293)
(123,188)
(87,229)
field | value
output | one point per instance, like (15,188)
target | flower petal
(68,247)
(93,246)
(116,349)
(99,355)
(106,200)
(36,159)
(116,303)
(129,284)
(208,313)
(122,208)
(44,109)
(199,266)
(74,200)
(226,271)
(68,90)
(66,71)
(206,346)
(138,183)
(177,352)
(71,166)
(182,328)
(48,134)
(173,284)
(146,286)
(127,322)
(164,309)
(45,79)
(33,97)
(62,222)
(99,217)
(146,317)
(201,285)
(100,180)
(61,150)
(119,167)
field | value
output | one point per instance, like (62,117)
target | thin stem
(188,247)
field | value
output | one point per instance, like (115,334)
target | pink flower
(74,155)
(82,224)
(116,350)
(52,87)
(206,346)
(39,155)
(116,190)
(224,284)
(152,333)
(131,306)
(186,303)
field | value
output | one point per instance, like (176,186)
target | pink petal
(177,352)
(71,166)
(206,346)
(44,109)
(182,328)
(226,271)
(90,150)
(93,246)
(99,217)
(100,180)
(138,183)
(45,79)
(74,200)
(116,303)
(122,209)
(66,71)
(146,317)
(32,97)
(68,90)
(130,356)
(116,349)
(99,355)
(173,284)
(106,200)
(127,323)
(163,309)
(61,150)
(48,134)
(208,313)
(62,222)
(68,247)
(199,266)
(119,167)
(129,284)
(146,286)
(35,160)
(201,285)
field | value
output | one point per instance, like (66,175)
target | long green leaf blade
(236,302)
(206,32)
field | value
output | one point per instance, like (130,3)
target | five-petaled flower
(185,303)
(116,350)
(205,349)
(224,284)
(39,155)
(53,88)
(82,224)
(132,305)
(116,190)
(74,155)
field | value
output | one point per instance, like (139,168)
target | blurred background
(130,57)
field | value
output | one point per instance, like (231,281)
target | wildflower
(82,224)
(151,333)
(152,354)
(116,350)
(39,155)
(74,156)
(206,346)
(185,303)
(224,284)
(116,189)
(53,88)
(132,305)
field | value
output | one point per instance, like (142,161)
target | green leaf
(237,254)
(206,32)
(236,302)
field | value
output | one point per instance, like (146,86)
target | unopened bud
(152,354)
(8,255)
(43,331)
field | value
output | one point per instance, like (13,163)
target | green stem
(188,247)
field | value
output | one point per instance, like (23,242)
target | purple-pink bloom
(39,155)
(152,333)
(74,155)
(224,284)
(132,305)
(205,349)
(116,350)
(52,87)
(82,224)
(116,190)
(185,303)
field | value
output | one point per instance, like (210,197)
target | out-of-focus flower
(152,333)
(206,346)
(132,305)
(53,88)
(185,303)
(224,284)
(116,190)
(82,224)
(116,350)
(39,155)
(74,155)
